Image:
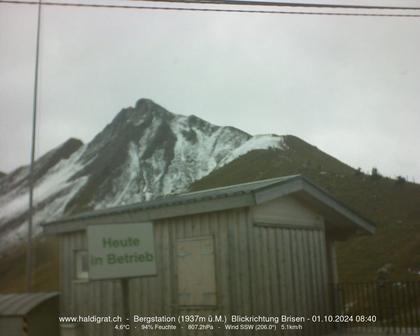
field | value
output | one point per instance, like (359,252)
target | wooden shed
(263,248)
(29,314)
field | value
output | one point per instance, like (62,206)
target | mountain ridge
(144,152)
(147,151)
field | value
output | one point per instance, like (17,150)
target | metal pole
(29,257)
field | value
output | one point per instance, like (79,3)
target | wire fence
(380,307)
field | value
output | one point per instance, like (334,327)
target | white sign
(121,251)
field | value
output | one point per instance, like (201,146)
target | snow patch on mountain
(54,209)
(51,194)
(264,141)
(198,151)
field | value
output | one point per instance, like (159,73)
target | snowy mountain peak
(144,109)
(146,151)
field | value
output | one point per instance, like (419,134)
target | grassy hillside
(13,265)
(394,205)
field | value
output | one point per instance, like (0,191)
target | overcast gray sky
(348,85)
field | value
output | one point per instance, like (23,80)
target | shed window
(81,265)
(196,272)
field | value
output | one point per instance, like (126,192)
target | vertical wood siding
(259,270)
(291,274)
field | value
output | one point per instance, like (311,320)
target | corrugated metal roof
(21,304)
(200,201)
(190,197)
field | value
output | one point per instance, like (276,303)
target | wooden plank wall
(82,297)
(259,270)
(156,295)
(291,275)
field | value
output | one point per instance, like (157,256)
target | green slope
(393,205)
(45,266)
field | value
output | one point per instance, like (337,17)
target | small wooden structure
(29,314)
(259,248)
